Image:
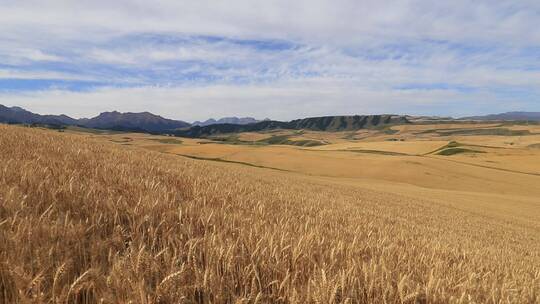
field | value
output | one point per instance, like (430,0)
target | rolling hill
(327,123)
(99,221)
(515,116)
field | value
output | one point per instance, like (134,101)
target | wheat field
(86,221)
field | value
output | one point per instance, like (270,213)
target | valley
(261,152)
(490,173)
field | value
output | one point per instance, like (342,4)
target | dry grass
(89,222)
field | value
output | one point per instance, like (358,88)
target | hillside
(328,123)
(148,122)
(85,221)
(17,115)
(515,116)
(139,122)
(144,121)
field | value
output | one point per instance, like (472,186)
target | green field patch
(122,140)
(171,141)
(390,131)
(284,140)
(492,131)
(454,151)
(452,144)
(377,152)
(272,140)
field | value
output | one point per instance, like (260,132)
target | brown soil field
(371,217)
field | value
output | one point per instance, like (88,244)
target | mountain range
(151,123)
(226,120)
(20,115)
(145,121)
(522,116)
(325,123)
(140,122)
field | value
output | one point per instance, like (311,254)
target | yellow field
(374,216)
(504,177)
(506,166)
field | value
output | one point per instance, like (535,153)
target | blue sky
(199,59)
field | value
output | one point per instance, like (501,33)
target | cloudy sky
(285,59)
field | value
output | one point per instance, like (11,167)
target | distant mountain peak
(326,123)
(20,115)
(226,120)
(114,120)
(143,121)
(18,109)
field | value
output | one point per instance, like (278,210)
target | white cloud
(40,75)
(351,56)
(342,22)
(284,100)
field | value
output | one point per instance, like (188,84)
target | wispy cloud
(276,58)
